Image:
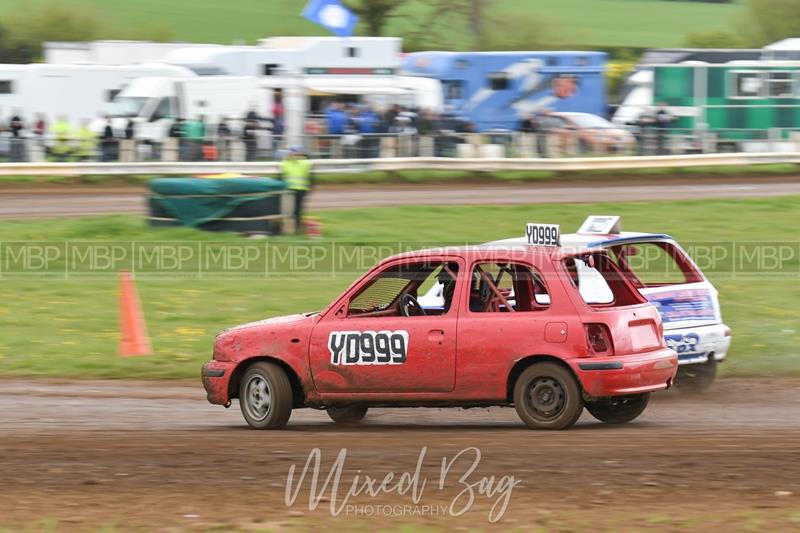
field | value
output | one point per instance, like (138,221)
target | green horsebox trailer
(751,106)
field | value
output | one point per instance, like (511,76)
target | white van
(154,102)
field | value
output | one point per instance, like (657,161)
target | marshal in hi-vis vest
(297,173)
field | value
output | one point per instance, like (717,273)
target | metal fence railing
(399,164)
(559,143)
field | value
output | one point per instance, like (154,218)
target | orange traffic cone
(134,340)
(313,228)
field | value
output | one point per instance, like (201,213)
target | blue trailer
(496,89)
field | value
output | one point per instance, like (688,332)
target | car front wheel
(349,414)
(265,396)
(618,410)
(547,396)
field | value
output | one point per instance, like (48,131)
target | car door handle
(436,335)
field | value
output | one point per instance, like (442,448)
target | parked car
(549,351)
(591,133)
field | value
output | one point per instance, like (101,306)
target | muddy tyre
(350,414)
(619,410)
(695,379)
(547,396)
(265,396)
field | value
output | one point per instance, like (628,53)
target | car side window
(507,288)
(411,289)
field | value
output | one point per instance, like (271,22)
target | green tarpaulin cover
(195,201)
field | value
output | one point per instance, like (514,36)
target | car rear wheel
(696,378)
(265,396)
(349,414)
(547,396)
(618,410)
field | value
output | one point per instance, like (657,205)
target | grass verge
(54,326)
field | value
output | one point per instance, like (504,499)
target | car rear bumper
(698,344)
(626,374)
(216,377)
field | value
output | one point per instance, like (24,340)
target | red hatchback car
(513,330)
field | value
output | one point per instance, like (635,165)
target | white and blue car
(663,273)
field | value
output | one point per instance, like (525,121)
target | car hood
(264,337)
(267,322)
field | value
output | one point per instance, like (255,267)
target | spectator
(40,127)
(250,137)
(128,144)
(366,120)
(337,118)
(17,141)
(391,115)
(277,113)
(426,125)
(351,140)
(366,123)
(130,130)
(62,133)
(544,126)
(642,131)
(296,170)
(224,138)
(527,124)
(177,143)
(663,119)
(38,149)
(108,142)
(194,133)
(87,142)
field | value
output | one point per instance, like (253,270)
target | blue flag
(332,15)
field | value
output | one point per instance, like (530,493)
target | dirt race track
(69,201)
(140,456)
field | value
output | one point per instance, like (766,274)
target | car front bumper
(626,374)
(216,377)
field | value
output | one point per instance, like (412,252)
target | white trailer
(76,92)
(110,52)
(293,56)
(154,103)
(301,67)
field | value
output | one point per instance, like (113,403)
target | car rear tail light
(598,340)
(727,332)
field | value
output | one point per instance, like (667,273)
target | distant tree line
(429,23)
(424,24)
(24,29)
(764,22)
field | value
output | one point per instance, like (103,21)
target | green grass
(631,23)
(450,176)
(68,327)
